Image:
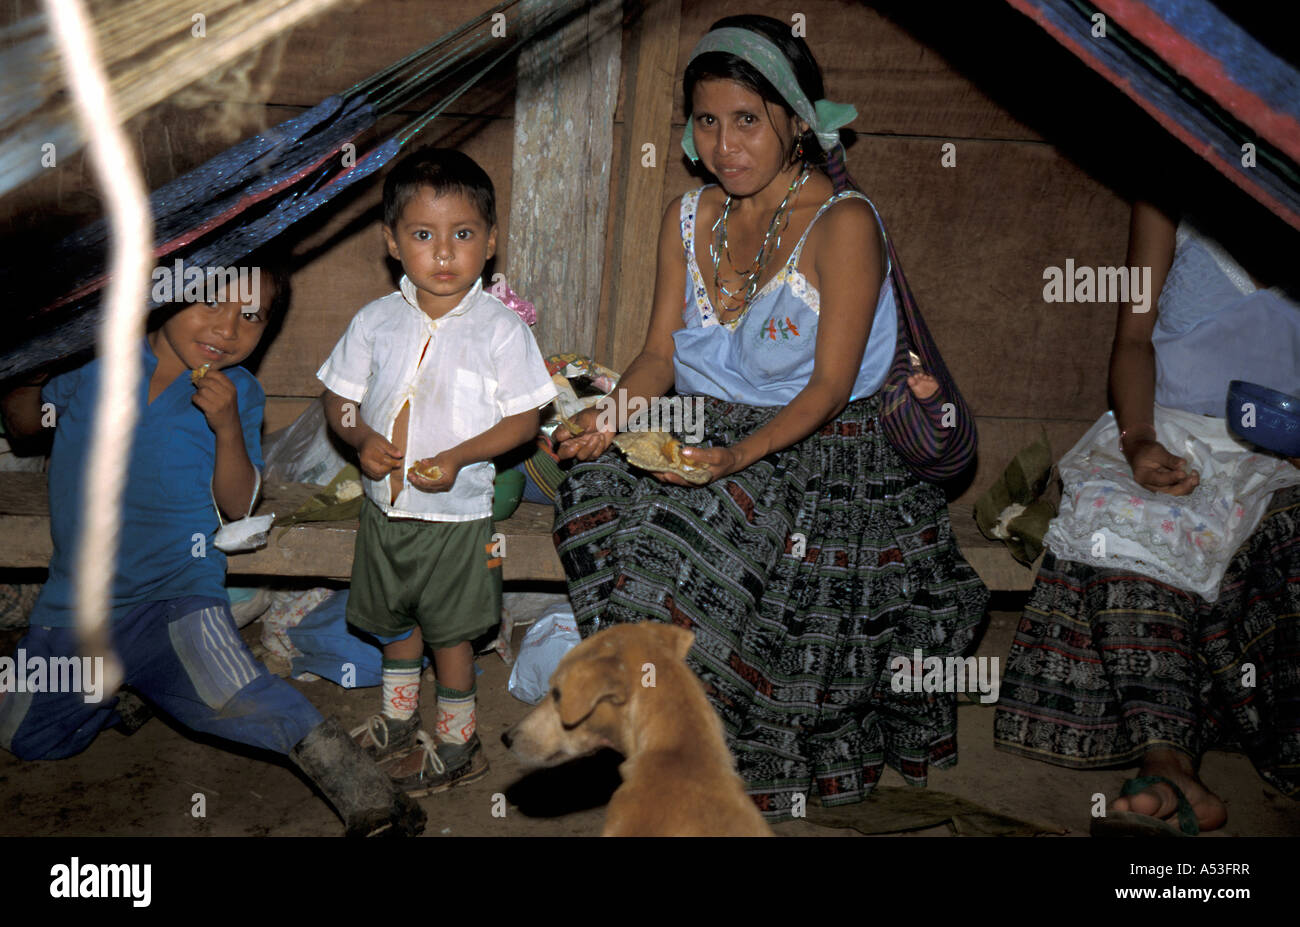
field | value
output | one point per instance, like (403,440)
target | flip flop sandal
(1132,824)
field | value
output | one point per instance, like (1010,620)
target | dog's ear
(674,637)
(588,684)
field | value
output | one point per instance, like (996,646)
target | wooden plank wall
(1034,184)
(564,101)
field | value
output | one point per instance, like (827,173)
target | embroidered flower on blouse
(774,326)
(800,288)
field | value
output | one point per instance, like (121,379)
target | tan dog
(678,776)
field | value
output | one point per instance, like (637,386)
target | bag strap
(257,489)
(911,324)
(897,275)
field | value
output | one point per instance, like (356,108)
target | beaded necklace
(771,245)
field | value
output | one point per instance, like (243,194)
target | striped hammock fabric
(1201,76)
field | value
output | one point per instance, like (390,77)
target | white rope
(119,341)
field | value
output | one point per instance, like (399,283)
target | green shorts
(442,576)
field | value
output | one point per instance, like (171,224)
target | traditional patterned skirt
(801,576)
(1108,664)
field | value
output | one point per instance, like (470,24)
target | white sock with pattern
(401,688)
(456,716)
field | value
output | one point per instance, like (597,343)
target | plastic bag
(553,635)
(304,451)
(1109,521)
(244,534)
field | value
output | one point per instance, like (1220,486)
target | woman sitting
(810,556)
(1163,620)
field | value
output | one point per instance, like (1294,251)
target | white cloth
(482,365)
(1106,519)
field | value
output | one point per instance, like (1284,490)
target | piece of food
(425,469)
(658,452)
(574,429)
(197,374)
(347,490)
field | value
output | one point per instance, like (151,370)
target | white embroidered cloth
(1106,519)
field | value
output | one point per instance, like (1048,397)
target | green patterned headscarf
(823,117)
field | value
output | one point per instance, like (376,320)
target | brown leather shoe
(433,766)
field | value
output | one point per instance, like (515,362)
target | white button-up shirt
(481,365)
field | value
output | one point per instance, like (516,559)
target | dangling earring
(798,151)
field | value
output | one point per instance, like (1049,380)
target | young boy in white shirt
(440,375)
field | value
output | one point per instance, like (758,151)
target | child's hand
(217,398)
(446,462)
(922,385)
(379,456)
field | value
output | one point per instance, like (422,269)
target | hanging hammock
(148,49)
(249,194)
(1205,79)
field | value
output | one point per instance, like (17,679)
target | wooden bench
(324,549)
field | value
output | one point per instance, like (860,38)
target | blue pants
(183,655)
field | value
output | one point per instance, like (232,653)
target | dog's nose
(506,737)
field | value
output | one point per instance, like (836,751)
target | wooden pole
(648,111)
(564,137)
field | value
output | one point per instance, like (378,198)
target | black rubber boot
(132,712)
(362,794)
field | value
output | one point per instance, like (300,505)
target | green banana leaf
(1027,483)
(326,505)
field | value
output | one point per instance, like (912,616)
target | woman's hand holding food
(719,461)
(588,443)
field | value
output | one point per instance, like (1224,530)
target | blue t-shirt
(168,494)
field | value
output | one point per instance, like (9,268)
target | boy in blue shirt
(196,449)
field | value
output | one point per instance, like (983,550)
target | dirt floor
(146,784)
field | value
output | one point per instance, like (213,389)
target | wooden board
(316,549)
(562,148)
(631,276)
(357,39)
(868,58)
(1000,439)
(280,413)
(323,550)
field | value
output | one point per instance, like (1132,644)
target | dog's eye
(555,693)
